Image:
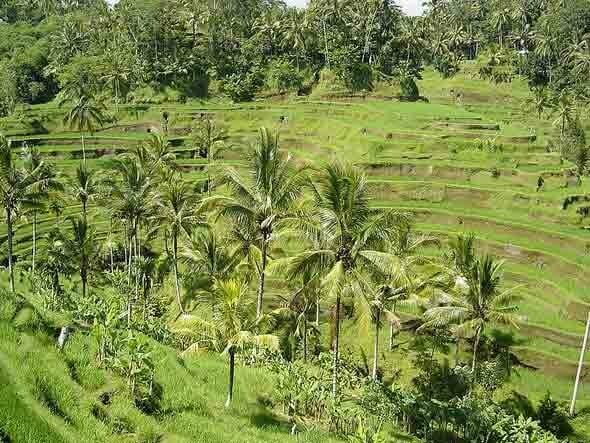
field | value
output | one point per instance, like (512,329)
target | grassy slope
(46,396)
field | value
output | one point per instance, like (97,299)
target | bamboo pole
(580,365)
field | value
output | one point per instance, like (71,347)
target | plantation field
(460,165)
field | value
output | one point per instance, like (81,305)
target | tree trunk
(335,355)
(317,310)
(83,150)
(305,339)
(63,337)
(10,265)
(475,347)
(457,350)
(261,278)
(326,43)
(177,284)
(34,242)
(580,365)
(376,345)
(230,387)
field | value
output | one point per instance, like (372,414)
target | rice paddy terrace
(468,161)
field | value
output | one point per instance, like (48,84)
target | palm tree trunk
(175,258)
(317,310)
(475,348)
(34,242)
(10,265)
(305,338)
(83,150)
(376,345)
(326,44)
(230,387)
(261,278)
(391,332)
(457,351)
(335,354)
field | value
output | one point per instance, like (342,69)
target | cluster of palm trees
(221,247)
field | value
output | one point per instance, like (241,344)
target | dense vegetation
(175,273)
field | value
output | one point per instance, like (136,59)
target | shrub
(552,417)
(242,87)
(282,76)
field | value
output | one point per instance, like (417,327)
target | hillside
(468,161)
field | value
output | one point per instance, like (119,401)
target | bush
(553,418)
(282,76)
(243,86)
(350,70)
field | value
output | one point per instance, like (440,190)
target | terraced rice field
(420,157)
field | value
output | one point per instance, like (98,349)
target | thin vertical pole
(580,365)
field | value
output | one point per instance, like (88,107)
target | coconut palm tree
(156,157)
(264,200)
(177,209)
(209,142)
(501,20)
(483,303)
(564,110)
(85,186)
(351,234)
(33,162)
(19,188)
(132,199)
(230,326)
(292,318)
(54,263)
(84,116)
(83,249)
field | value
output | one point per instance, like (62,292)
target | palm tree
(176,208)
(210,140)
(85,187)
(351,234)
(564,110)
(501,18)
(55,263)
(292,317)
(156,157)
(483,303)
(33,162)
(295,32)
(19,187)
(230,325)
(84,116)
(402,281)
(132,200)
(540,101)
(83,248)
(265,200)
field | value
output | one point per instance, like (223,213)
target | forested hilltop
(137,51)
(240,221)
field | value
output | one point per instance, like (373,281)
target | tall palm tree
(83,247)
(156,157)
(229,327)
(209,142)
(176,208)
(564,110)
(54,263)
(84,116)
(483,303)
(264,200)
(501,20)
(19,187)
(85,187)
(132,199)
(33,162)
(352,234)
